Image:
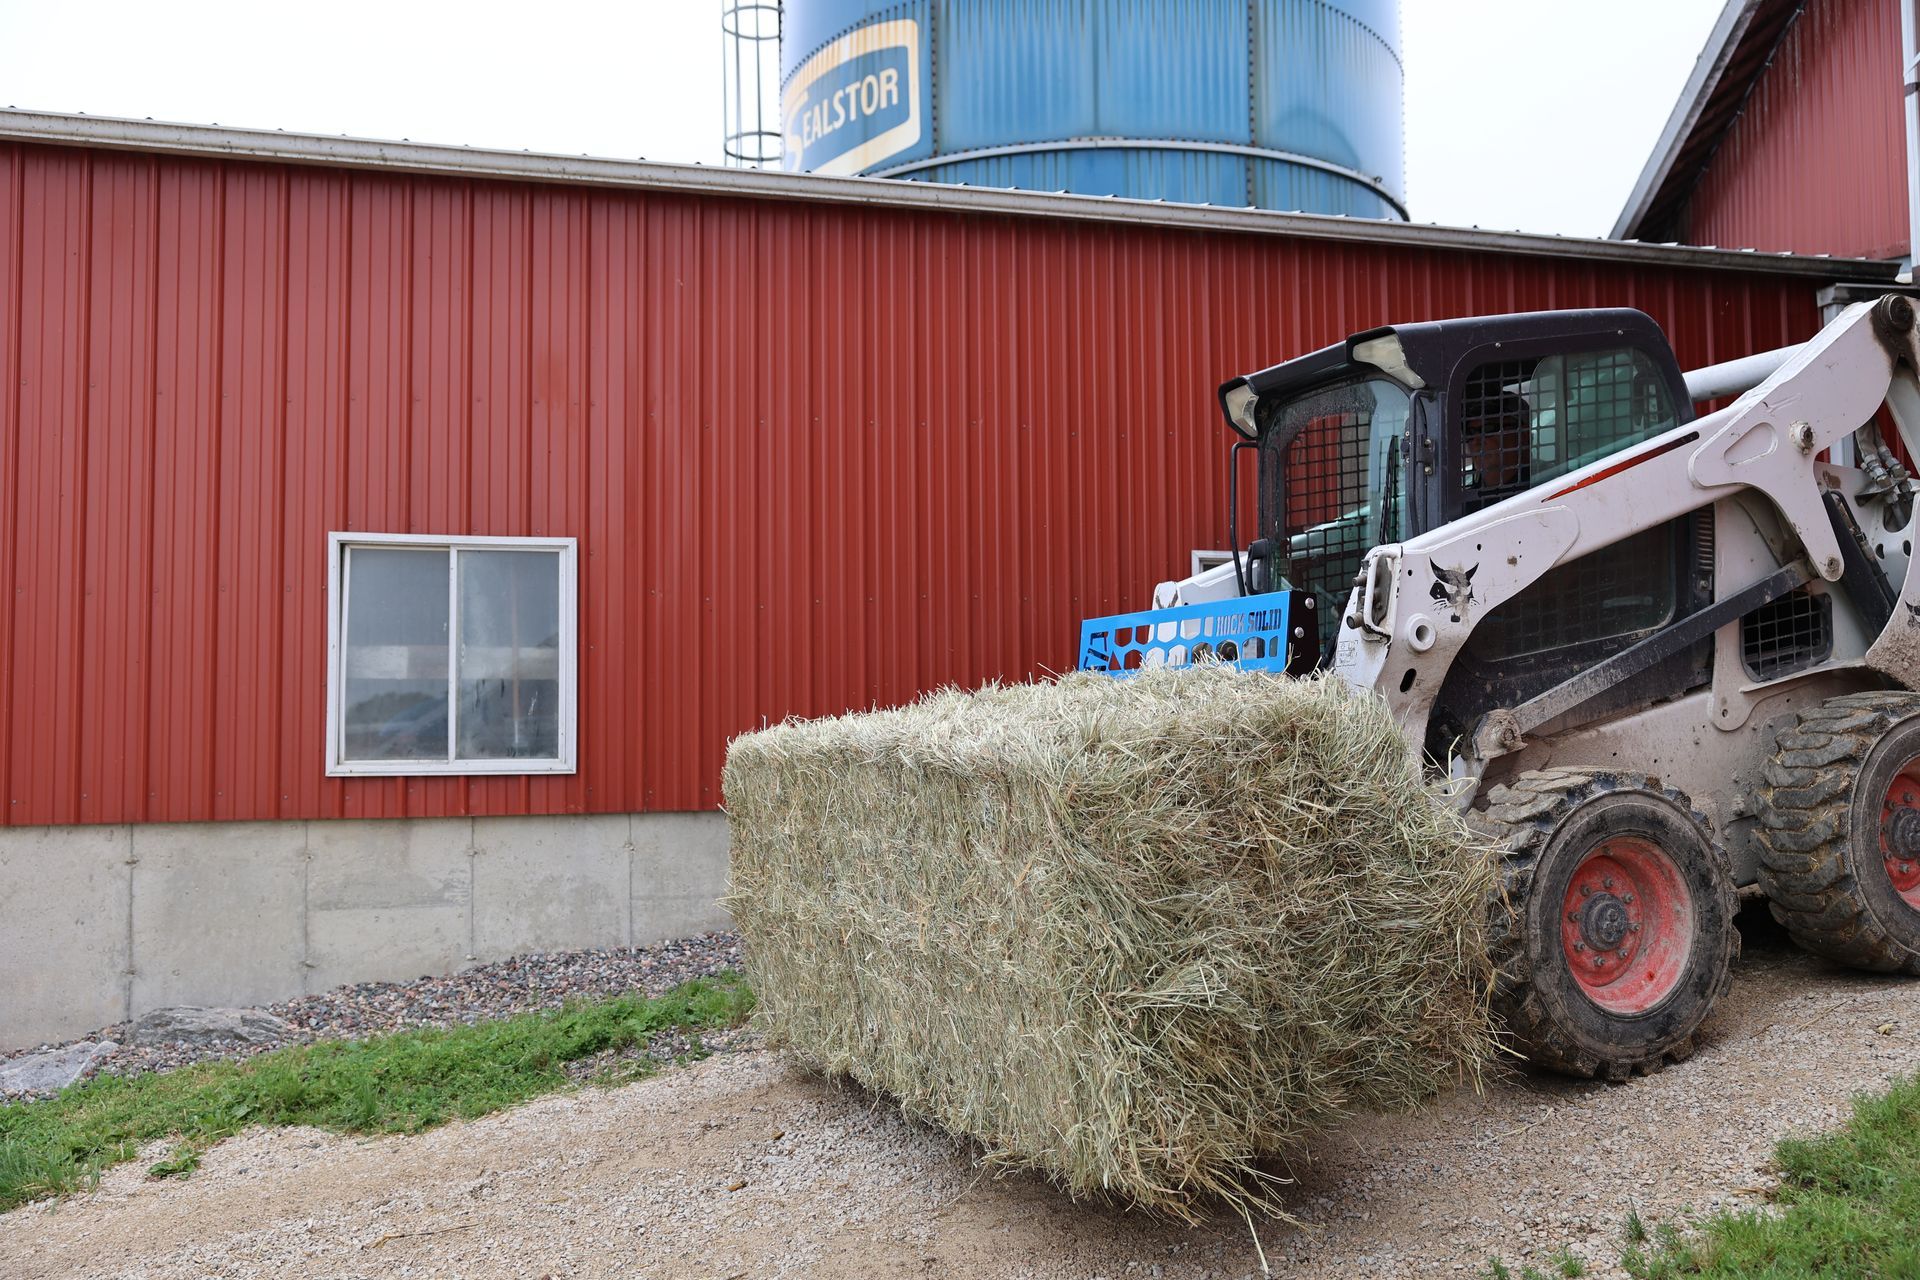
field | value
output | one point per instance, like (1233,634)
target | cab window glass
(1335,455)
(1525,422)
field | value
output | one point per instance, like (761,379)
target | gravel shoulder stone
(545,980)
(745,1166)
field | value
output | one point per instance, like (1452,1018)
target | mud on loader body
(1666,657)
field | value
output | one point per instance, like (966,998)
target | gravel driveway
(742,1166)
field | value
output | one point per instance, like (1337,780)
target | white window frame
(338,544)
(1203,559)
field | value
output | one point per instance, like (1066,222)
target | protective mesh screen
(1340,478)
(1617,593)
(1326,470)
(1524,422)
(1496,433)
(1791,634)
(1326,478)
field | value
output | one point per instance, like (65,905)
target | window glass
(509,671)
(1525,422)
(394,704)
(452,656)
(1335,453)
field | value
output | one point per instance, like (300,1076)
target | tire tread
(1521,818)
(1805,820)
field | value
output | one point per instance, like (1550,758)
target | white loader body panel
(1758,465)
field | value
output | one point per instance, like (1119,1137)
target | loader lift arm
(1665,659)
(1768,443)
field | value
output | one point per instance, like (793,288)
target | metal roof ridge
(1708,67)
(403,155)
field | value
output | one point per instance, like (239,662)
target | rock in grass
(1137,934)
(200,1025)
(53,1069)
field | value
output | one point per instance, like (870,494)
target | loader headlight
(1238,400)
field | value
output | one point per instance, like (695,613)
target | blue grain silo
(1284,104)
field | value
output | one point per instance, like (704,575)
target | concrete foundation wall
(101,924)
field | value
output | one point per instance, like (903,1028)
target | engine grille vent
(1791,634)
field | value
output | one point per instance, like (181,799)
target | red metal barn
(678,450)
(1788,137)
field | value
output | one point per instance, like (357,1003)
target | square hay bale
(1136,934)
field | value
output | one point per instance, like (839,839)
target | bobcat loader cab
(1400,431)
(1664,657)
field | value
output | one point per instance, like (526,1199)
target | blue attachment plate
(1250,633)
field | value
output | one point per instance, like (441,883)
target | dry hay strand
(1135,934)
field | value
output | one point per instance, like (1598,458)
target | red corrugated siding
(1816,162)
(818,457)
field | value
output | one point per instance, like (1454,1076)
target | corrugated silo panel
(1279,185)
(1330,87)
(1303,77)
(805,25)
(861,100)
(1190,177)
(1172,69)
(1010,71)
(1382,17)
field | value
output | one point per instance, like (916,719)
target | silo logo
(855,103)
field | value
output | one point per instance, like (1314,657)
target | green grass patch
(400,1083)
(1848,1205)
(1564,1263)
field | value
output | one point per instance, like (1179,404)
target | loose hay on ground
(1136,934)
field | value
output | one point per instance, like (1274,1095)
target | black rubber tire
(1545,823)
(1819,830)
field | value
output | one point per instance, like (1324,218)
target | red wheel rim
(1626,926)
(1900,832)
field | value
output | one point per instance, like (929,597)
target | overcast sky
(1530,114)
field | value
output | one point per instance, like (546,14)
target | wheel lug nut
(1633,928)
(1628,899)
(1586,890)
(1608,882)
(1579,946)
(1623,953)
(1598,961)
(1573,917)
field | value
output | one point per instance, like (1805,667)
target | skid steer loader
(1665,658)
